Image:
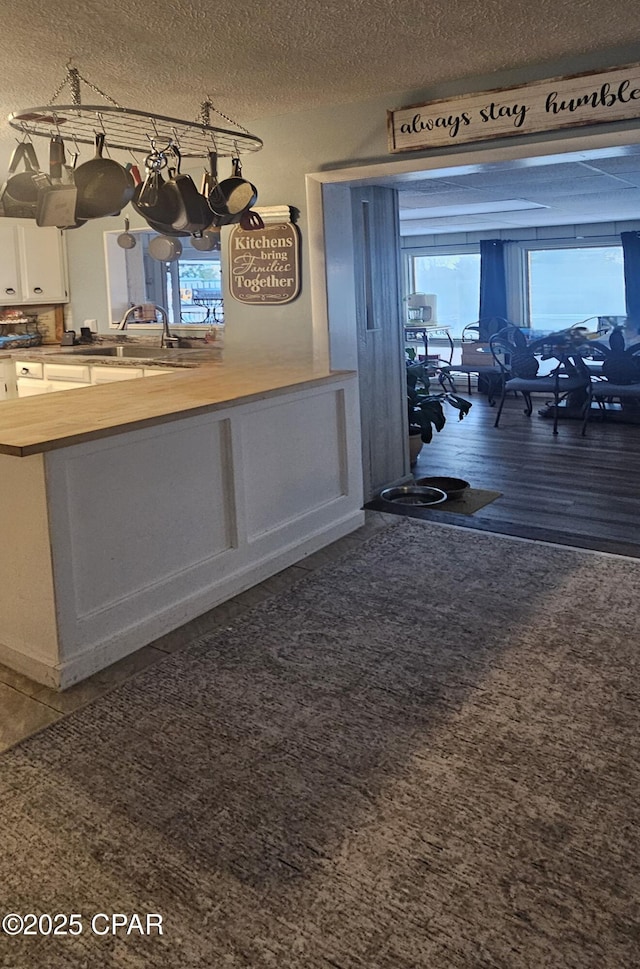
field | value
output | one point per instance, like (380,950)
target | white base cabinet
(45,378)
(33,268)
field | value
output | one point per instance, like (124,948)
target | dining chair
(619,377)
(477,359)
(519,363)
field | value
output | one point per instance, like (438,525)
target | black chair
(477,358)
(518,361)
(619,377)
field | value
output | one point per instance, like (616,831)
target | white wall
(337,136)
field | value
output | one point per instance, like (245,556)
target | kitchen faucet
(168,339)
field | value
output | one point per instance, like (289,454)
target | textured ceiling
(263,59)
(258,58)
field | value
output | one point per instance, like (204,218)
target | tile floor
(27,707)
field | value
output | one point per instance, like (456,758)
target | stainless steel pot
(165,249)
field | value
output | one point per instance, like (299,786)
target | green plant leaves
(425,410)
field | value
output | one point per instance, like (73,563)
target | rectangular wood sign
(264,264)
(582,99)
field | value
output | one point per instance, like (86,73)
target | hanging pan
(167,230)
(207,242)
(126,239)
(56,201)
(232,196)
(165,249)
(154,200)
(19,194)
(68,177)
(193,214)
(104,185)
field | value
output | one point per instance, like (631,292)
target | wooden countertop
(45,422)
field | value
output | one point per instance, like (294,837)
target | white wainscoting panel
(294,458)
(154,511)
(151,528)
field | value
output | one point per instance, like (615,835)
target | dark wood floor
(567,489)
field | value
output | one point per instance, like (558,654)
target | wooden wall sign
(264,264)
(580,99)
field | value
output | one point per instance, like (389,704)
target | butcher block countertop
(32,425)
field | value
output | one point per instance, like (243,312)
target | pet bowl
(453,487)
(413,495)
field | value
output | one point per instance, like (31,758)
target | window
(199,282)
(454,277)
(570,284)
(189,288)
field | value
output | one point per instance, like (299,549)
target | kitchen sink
(145,353)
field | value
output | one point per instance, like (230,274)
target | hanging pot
(233,196)
(207,242)
(165,249)
(56,201)
(104,186)
(19,194)
(192,209)
(166,230)
(250,221)
(153,199)
(126,239)
(212,191)
(68,174)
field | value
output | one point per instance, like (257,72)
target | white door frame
(329,220)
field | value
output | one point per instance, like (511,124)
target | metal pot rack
(128,129)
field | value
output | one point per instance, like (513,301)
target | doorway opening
(333,287)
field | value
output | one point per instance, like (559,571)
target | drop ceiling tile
(625,165)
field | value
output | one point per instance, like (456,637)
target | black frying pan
(193,214)
(165,230)
(104,186)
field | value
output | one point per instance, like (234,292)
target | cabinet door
(108,375)
(42,264)
(10,289)
(8,387)
(28,387)
(54,386)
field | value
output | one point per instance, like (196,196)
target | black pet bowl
(413,495)
(452,487)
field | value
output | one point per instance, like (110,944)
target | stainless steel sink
(145,353)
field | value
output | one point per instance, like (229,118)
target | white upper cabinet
(33,268)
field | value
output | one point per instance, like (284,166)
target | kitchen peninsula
(130,508)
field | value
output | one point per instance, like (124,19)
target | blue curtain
(631,255)
(493,288)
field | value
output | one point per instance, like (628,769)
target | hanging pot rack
(128,129)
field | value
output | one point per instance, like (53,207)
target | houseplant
(425,408)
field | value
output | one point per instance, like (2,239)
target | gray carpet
(426,756)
